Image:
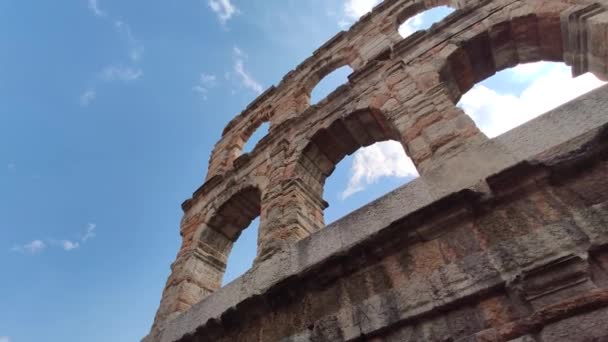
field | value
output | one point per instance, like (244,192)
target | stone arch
(256,121)
(224,227)
(242,136)
(573,34)
(236,135)
(412,9)
(329,145)
(559,33)
(322,68)
(221,228)
(199,268)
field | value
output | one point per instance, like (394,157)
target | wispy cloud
(68,245)
(120,73)
(90,232)
(5,339)
(205,82)
(411,25)
(135,47)
(497,112)
(241,74)
(224,9)
(11,166)
(38,246)
(34,247)
(94,7)
(246,79)
(385,159)
(88,97)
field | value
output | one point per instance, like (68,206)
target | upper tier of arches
(366,42)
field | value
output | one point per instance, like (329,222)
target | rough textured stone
(498,240)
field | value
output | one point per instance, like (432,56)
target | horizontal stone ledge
(525,143)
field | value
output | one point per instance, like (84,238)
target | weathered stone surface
(498,240)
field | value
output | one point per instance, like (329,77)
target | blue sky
(108,113)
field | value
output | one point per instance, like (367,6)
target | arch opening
(516,95)
(255,136)
(516,70)
(329,83)
(368,174)
(365,146)
(243,253)
(420,19)
(238,214)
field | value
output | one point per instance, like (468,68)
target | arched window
(377,156)
(243,253)
(221,233)
(423,20)
(367,174)
(254,138)
(516,95)
(330,83)
(508,78)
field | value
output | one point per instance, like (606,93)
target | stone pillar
(292,213)
(290,209)
(585,39)
(437,130)
(197,272)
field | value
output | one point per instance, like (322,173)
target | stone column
(293,207)
(293,213)
(585,39)
(197,272)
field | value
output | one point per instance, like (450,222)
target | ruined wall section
(401,89)
(519,256)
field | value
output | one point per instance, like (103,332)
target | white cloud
(68,245)
(34,247)
(241,74)
(224,9)
(120,73)
(90,233)
(205,83)
(238,52)
(411,25)
(525,72)
(355,9)
(94,7)
(11,166)
(246,79)
(551,86)
(424,20)
(87,97)
(136,48)
(112,73)
(38,246)
(384,159)
(135,51)
(5,339)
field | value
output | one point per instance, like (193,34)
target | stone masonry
(501,239)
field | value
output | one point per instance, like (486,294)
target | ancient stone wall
(403,90)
